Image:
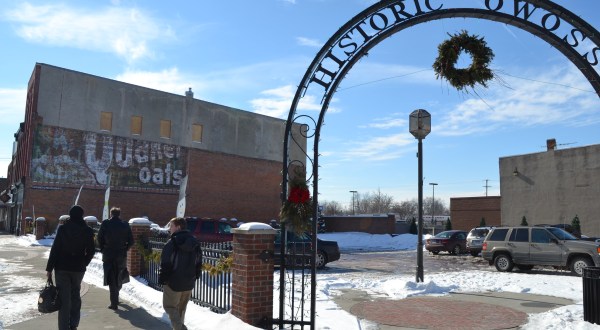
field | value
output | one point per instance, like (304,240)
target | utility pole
(433,184)
(486,187)
(353,199)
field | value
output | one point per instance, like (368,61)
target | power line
(486,187)
(382,79)
(503,73)
(549,83)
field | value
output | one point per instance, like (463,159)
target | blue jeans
(69,285)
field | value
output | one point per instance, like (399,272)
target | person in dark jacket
(178,271)
(114,239)
(71,252)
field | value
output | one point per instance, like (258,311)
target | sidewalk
(491,310)
(94,312)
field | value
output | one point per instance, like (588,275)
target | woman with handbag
(71,252)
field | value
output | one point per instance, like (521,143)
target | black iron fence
(212,289)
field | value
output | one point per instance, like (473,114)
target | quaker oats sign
(76,157)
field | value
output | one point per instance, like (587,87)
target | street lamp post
(353,198)
(433,184)
(419,126)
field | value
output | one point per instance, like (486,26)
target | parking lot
(405,262)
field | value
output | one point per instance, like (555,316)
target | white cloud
(273,102)
(302,41)
(381,148)
(277,102)
(12,112)
(167,80)
(526,103)
(387,122)
(12,107)
(128,33)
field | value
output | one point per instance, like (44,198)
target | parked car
(299,250)
(526,247)
(158,231)
(564,226)
(209,230)
(451,241)
(475,239)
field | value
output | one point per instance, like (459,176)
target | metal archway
(554,24)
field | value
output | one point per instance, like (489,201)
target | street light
(419,123)
(433,184)
(353,198)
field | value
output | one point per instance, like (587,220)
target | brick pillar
(23,227)
(40,228)
(141,230)
(252,277)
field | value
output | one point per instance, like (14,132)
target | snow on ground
(331,316)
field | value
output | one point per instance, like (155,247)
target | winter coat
(114,239)
(178,261)
(73,247)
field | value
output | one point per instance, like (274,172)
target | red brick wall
(135,261)
(222,185)
(219,186)
(51,204)
(365,224)
(466,212)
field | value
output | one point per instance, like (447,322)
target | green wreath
(477,73)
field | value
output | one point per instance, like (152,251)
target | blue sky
(251,55)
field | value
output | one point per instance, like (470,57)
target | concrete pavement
(491,310)
(94,312)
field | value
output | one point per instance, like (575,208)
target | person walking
(115,239)
(71,252)
(178,271)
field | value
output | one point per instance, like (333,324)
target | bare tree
(332,208)
(374,203)
(382,203)
(440,207)
(406,209)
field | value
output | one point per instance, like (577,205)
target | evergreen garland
(296,211)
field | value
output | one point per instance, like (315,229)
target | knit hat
(76,211)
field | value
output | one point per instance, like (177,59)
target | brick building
(87,132)
(466,212)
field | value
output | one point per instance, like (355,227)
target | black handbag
(124,276)
(49,301)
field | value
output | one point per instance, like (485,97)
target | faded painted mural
(75,157)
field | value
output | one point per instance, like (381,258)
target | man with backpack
(180,266)
(71,252)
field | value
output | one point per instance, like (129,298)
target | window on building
(165,129)
(136,125)
(106,121)
(196,133)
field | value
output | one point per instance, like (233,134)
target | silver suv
(475,239)
(525,247)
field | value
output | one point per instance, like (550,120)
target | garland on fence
(147,253)
(477,73)
(223,266)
